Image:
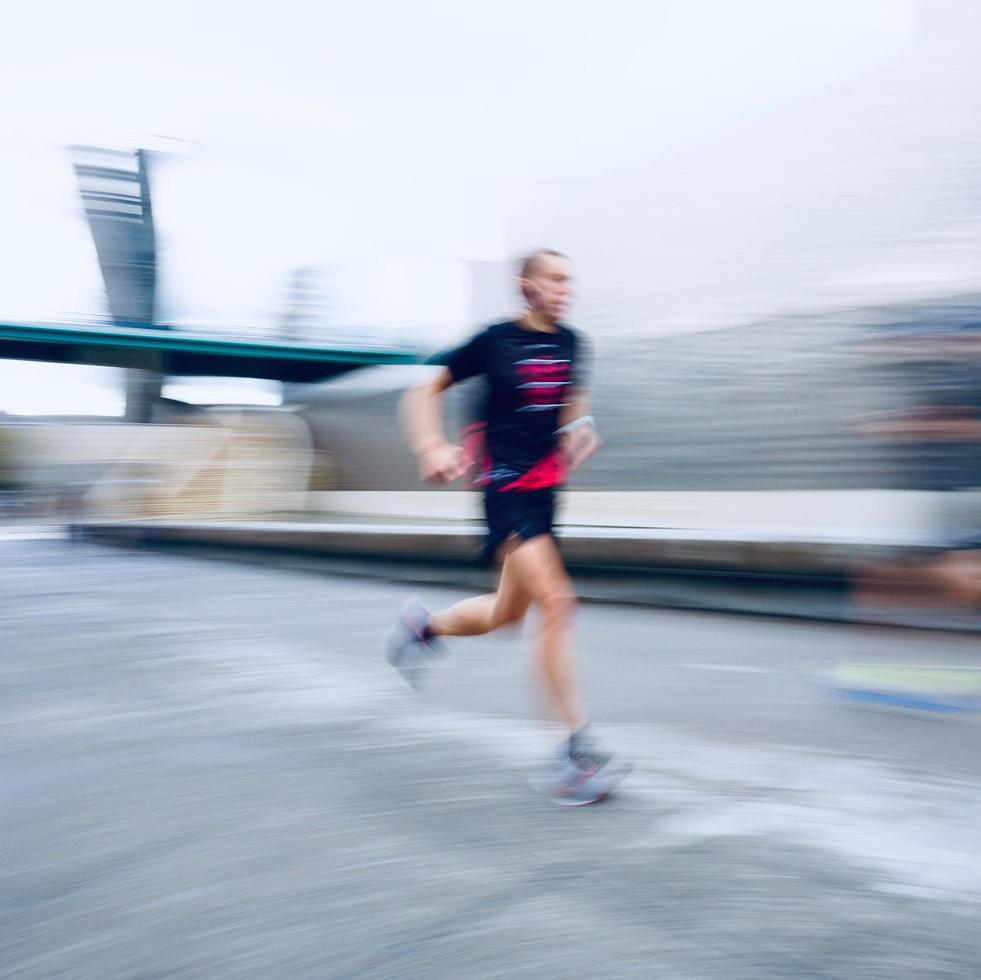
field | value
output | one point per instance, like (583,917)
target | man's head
(545,281)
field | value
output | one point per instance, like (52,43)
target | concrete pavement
(211,773)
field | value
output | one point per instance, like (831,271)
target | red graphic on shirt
(547,472)
(541,382)
(473,440)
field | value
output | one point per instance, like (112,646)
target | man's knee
(558,601)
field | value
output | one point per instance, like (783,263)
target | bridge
(174,353)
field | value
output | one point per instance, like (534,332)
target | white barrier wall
(225,463)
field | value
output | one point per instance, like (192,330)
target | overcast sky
(300,133)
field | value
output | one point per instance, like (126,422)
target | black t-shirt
(529,376)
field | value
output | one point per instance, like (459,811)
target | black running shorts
(522,513)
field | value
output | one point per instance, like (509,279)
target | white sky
(338,133)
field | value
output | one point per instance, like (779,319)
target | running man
(538,429)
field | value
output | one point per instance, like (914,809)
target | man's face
(548,287)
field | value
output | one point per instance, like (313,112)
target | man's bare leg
(583,772)
(409,644)
(537,569)
(484,613)
(532,572)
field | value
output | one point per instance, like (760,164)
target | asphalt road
(210,772)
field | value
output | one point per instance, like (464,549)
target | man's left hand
(578,445)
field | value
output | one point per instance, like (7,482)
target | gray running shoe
(406,647)
(587,776)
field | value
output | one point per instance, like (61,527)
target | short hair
(526,266)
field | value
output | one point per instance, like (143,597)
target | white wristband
(577,423)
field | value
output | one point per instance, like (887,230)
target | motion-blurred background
(232,234)
(773,208)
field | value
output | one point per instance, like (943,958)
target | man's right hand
(443,463)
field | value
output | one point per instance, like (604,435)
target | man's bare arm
(579,441)
(576,407)
(421,413)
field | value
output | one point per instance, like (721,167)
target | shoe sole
(594,789)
